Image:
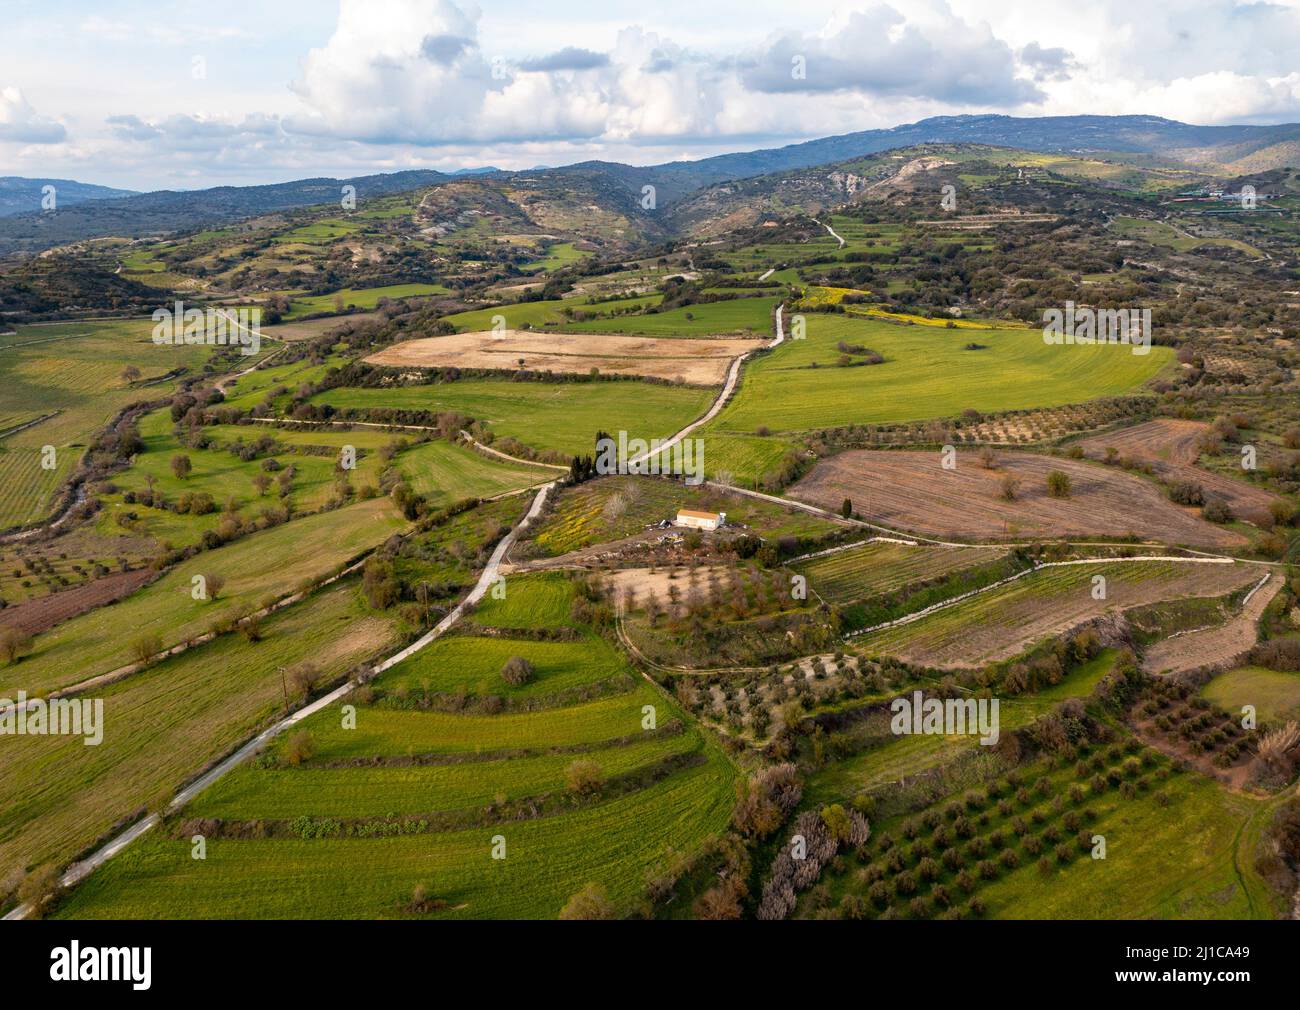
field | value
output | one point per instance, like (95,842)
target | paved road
(728,387)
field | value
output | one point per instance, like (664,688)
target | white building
(700,520)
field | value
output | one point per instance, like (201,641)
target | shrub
(1058,484)
(517,671)
(299,747)
(584,777)
(590,903)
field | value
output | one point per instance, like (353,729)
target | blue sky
(195,94)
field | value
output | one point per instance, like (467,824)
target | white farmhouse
(700,520)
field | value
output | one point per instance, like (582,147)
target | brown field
(1170,446)
(44,613)
(1003,622)
(1225,645)
(911,491)
(700,362)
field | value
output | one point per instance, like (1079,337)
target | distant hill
(171,210)
(23,196)
(616,188)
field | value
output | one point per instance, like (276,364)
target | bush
(1216,510)
(299,747)
(517,671)
(1058,484)
(590,903)
(584,777)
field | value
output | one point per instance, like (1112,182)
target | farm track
(1223,644)
(82,869)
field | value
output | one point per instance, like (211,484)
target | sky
(187,95)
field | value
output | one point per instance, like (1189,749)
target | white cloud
(20,123)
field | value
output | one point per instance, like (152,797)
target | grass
(882,567)
(741,316)
(75,370)
(253,793)
(615,507)
(549,312)
(57,795)
(270,563)
(556,417)
(1175,862)
(927,373)
(358,298)
(901,757)
(547,860)
(551,853)
(1276,696)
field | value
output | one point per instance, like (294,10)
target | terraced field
(420,795)
(265,565)
(161,726)
(75,371)
(882,567)
(1002,622)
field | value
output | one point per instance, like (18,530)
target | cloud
(568,58)
(19,122)
(877,51)
(1048,64)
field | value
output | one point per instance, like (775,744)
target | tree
(1010,487)
(13,643)
(1058,484)
(592,902)
(38,888)
(517,671)
(262,483)
(846,509)
(302,678)
(181,466)
(988,458)
(145,647)
(130,373)
(215,583)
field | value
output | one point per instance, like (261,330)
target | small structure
(701,520)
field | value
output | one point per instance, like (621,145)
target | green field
(556,417)
(926,374)
(358,298)
(75,371)
(1165,234)
(1276,696)
(740,316)
(271,563)
(617,507)
(883,567)
(161,726)
(550,312)
(461,781)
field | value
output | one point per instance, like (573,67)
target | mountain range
(87,211)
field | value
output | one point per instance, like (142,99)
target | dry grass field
(1171,447)
(912,491)
(700,362)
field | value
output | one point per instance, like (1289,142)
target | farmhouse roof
(697,514)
